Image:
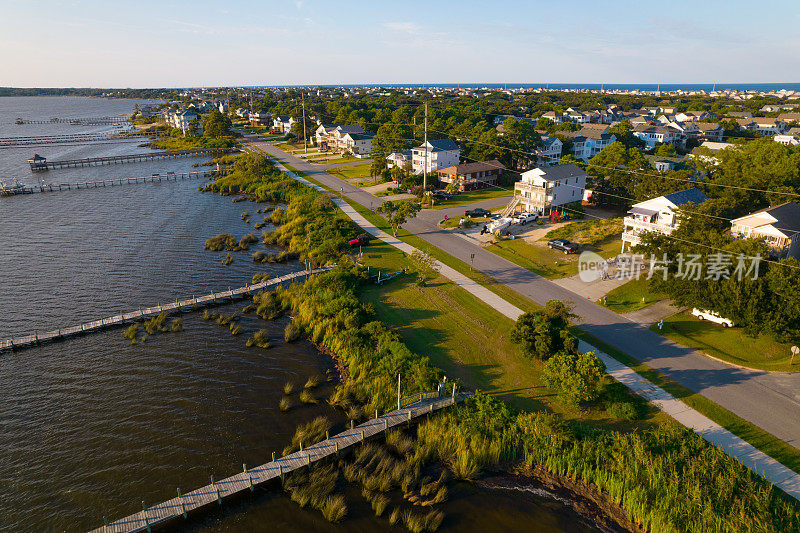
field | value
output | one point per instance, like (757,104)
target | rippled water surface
(91,426)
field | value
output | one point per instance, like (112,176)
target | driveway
(770,401)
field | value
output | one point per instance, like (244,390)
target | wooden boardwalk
(180,506)
(66,138)
(153,178)
(178,306)
(85,121)
(40,163)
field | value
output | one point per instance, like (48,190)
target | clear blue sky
(192,43)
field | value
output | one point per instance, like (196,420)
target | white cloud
(406,27)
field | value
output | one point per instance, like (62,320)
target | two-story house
(359,144)
(332,137)
(399,158)
(658,215)
(550,151)
(591,138)
(653,135)
(471,176)
(438,154)
(283,124)
(544,189)
(778,226)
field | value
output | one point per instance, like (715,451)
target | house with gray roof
(437,154)
(657,215)
(778,226)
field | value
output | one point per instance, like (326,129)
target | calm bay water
(91,426)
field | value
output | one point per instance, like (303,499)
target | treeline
(146,94)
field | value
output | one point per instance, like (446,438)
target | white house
(543,189)
(260,119)
(183,119)
(779,226)
(653,135)
(788,139)
(441,153)
(588,142)
(398,158)
(550,151)
(332,137)
(657,215)
(359,144)
(283,124)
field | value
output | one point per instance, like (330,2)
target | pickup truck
(524,218)
(563,245)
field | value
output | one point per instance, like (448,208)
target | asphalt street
(771,401)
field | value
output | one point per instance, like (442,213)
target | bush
(623,410)
(291,333)
(576,377)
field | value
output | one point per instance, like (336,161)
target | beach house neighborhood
(471,176)
(542,190)
(778,226)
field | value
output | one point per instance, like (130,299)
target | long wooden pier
(39,163)
(67,138)
(178,306)
(84,121)
(168,512)
(13,190)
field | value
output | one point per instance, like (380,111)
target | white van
(712,316)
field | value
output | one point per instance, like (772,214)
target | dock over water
(178,306)
(67,138)
(168,512)
(39,163)
(13,190)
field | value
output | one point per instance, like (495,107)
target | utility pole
(425,169)
(305,137)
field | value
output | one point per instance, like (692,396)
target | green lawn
(290,147)
(351,172)
(332,160)
(592,231)
(546,262)
(468,340)
(464,198)
(632,296)
(729,344)
(452,222)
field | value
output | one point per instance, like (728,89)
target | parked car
(563,245)
(712,316)
(524,218)
(361,240)
(444,195)
(477,212)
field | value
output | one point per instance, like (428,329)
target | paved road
(768,400)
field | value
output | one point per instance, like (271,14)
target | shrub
(623,410)
(576,377)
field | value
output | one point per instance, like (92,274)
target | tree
(216,125)
(397,213)
(426,266)
(576,377)
(543,333)
(665,150)
(378,163)
(624,134)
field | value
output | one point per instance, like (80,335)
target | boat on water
(8,188)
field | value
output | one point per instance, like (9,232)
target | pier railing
(178,306)
(166,513)
(43,164)
(17,142)
(12,190)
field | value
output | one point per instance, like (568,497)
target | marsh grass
(307,397)
(177,325)
(288,388)
(131,332)
(228,260)
(260,339)
(334,509)
(237,329)
(308,433)
(291,332)
(313,382)
(285,404)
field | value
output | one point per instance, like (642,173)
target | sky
(144,43)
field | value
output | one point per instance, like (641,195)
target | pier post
(352,424)
(336,443)
(301,446)
(362,435)
(146,520)
(183,505)
(219,498)
(273,457)
(36,335)
(327,436)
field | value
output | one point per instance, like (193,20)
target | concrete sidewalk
(759,462)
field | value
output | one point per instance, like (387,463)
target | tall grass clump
(288,388)
(307,397)
(291,332)
(131,332)
(285,404)
(260,339)
(334,509)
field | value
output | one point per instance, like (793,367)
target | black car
(444,195)
(477,212)
(563,245)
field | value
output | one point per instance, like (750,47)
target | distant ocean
(761,87)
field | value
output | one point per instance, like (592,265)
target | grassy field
(546,262)
(632,296)
(291,147)
(332,160)
(468,340)
(592,232)
(474,196)
(729,344)
(351,172)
